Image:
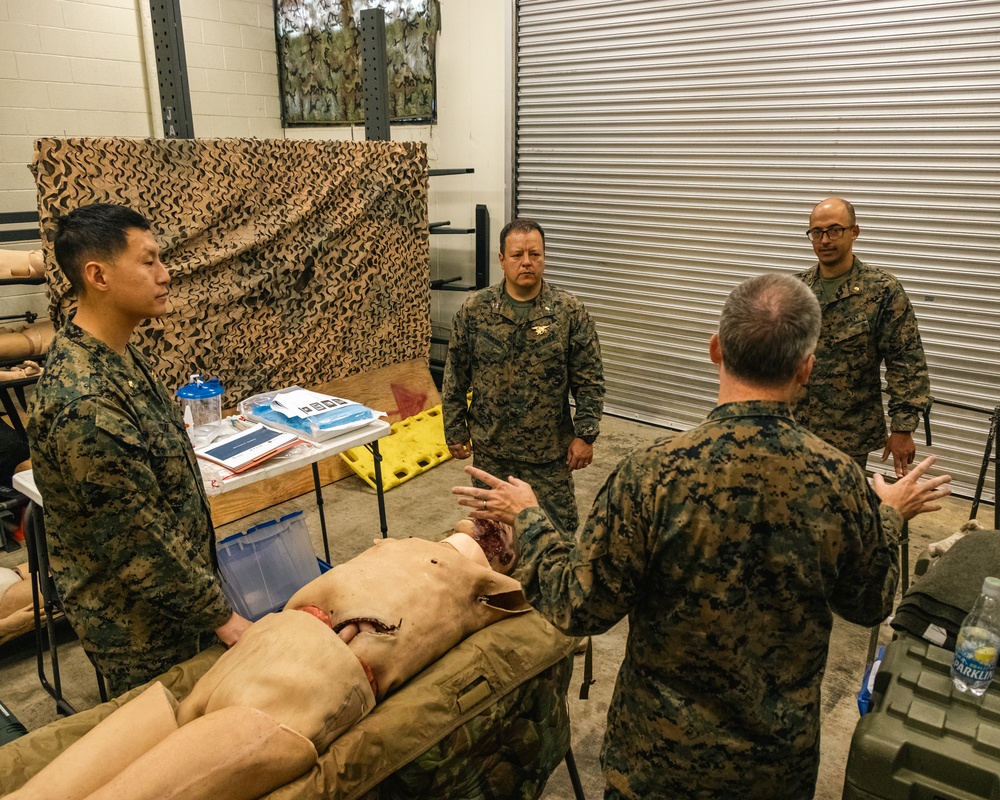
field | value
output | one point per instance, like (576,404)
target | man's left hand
(503,501)
(579,455)
(900,445)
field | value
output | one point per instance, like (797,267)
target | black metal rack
(482,263)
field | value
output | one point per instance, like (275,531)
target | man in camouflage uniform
(728,547)
(523,347)
(867,320)
(127,519)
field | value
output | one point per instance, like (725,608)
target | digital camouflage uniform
(522,375)
(729,547)
(869,321)
(126,515)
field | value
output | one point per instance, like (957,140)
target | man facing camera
(729,547)
(867,321)
(524,348)
(131,542)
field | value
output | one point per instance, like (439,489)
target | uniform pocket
(852,328)
(165,442)
(547,359)
(489,349)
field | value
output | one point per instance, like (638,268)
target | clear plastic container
(201,403)
(978,642)
(262,568)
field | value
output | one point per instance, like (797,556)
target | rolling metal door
(672,149)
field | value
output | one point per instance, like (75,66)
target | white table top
(24,482)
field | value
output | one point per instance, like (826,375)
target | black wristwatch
(590,438)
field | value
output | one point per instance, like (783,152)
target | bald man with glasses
(867,321)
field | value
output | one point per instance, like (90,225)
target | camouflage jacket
(728,547)
(870,321)
(126,515)
(522,375)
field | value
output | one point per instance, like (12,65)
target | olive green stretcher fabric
(493,667)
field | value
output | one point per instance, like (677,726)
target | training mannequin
(293,683)
(27,342)
(15,590)
(25,264)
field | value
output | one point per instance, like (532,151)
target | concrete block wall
(232,68)
(80,68)
(66,69)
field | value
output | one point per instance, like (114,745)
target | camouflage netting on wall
(292,262)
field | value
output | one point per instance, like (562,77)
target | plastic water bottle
(978,642)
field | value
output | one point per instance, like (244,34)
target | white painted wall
(84,68)
(66,69)
(232,67)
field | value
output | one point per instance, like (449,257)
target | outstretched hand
(910,498)
(502,501)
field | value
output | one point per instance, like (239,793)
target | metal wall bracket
(374,74)
(171,69)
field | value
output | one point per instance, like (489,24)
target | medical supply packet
(311,415)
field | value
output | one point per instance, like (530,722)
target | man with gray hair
(728,547)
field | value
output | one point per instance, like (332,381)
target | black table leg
(378,488)
(322,514)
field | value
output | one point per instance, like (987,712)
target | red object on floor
(18,534)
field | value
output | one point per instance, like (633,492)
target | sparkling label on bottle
(976,654)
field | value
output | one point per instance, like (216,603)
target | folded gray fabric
(947,591)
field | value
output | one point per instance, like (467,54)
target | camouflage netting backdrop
(292,262)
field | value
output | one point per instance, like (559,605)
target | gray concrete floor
(424,507)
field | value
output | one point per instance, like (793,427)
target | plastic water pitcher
(201,402)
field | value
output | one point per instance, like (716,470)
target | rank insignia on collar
(540,329)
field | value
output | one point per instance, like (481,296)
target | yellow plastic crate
(415,445)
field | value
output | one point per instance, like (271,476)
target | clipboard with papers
(248,448)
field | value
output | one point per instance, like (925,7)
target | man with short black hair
(131,542)
(523,348)
(867,321)
(728,547)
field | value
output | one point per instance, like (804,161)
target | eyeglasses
(834,232)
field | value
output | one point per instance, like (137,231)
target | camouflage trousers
(551,481)
(124,672)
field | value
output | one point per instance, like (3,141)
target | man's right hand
(910,498)
(232,629)
(502,502)
(460,450)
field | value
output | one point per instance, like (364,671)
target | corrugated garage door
(673,148)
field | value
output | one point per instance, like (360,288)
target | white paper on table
(303,403)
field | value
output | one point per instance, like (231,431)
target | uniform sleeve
(457,380)
(869,564)
(586,376)
(110,468)
(906,375)
(584,587)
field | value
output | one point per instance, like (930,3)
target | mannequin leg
(237,753)
(105,751)
(21,264)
